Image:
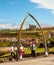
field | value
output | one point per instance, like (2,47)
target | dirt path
(33,61)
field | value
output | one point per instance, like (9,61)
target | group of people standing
(14,56)
(32,48)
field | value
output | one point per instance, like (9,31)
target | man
(12,51)
(32,47)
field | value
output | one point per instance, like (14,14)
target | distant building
(32,27)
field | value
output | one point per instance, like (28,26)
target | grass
(28,51)
(38,50)
(51,49)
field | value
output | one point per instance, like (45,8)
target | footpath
(33,61)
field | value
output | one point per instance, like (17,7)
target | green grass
(51,49)
(28,51)
(38,50)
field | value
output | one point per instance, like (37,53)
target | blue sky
(12,12)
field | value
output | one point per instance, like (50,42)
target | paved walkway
(33,61)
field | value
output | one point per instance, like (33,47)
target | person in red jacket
(21,51)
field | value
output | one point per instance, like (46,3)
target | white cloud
(8,26)
(11,26)
(46,4)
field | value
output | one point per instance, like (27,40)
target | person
(32,47)
(12,51)
(21,51)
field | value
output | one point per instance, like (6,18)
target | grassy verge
(38,50)
(28,51)
(51,49)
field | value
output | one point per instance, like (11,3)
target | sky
(12,13)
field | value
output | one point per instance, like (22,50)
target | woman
(21,51)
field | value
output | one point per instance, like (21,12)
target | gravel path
(33,61)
